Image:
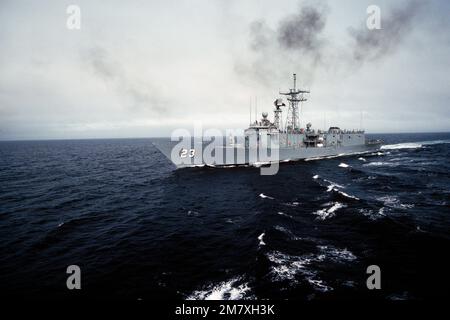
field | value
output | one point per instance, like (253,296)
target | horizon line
(158,137)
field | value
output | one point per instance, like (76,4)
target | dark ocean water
(140,229)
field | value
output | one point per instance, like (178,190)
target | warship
(265,142)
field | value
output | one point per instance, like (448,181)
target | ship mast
(294,97)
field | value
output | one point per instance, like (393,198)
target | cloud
(137,95)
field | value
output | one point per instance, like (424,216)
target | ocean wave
(335,254)
(413,145)
(288,232)
(319,285)
(334,187)
(371,214)
(329,212)
(331,187)
(378,153)
(346,195)
(288,267)
(262,195)
(380,164)
(406,145)
(260,238)
(433,142)
(193,213)
(334,183)
(234,289)
(291,204)
(284,214)
(394,202)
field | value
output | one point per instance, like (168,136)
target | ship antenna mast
(294,97)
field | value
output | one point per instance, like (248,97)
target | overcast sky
(144,68)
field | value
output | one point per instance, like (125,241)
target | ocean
(140,229)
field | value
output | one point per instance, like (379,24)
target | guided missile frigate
(266,142)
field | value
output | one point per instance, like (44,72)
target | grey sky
(143,68)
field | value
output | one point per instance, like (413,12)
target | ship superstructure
(291,135)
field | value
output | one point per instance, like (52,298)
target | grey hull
(206,154)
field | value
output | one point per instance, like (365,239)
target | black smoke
(295,44)
(371,45)
(302,31)
(299,43)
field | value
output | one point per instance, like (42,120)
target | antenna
(360,119)
(294,98)
(256,109)
(250,110)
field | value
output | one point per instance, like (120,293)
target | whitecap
(284,214)
(319,285)
(337,255)
(193,213)
(262,195)
(329,212)
(286,267)
(369,213)
(378,153)
(334,183)
(347,195)
(316,176)
(394,202)
(407,145)
(292,204)
(260,238)
(362,159)
(343,165)
(427,143)
(226,290)
(381,163)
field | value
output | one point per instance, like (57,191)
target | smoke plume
(299,44)
(302,30)
(371,45)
